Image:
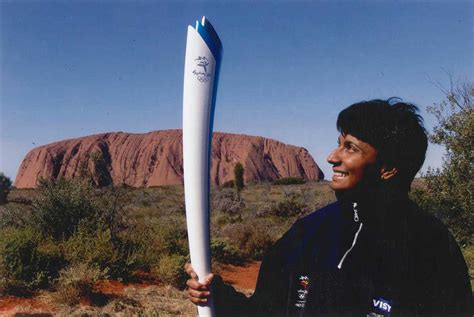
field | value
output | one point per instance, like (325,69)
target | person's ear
(387,173)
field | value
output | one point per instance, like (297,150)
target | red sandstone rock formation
(155,159)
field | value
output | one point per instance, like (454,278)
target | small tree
(61,206)
(5,187)
(238,177)
(450,188)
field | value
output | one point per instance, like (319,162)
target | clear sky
(75,68)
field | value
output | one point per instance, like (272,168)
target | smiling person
(371,253)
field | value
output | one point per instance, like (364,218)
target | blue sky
(75,68)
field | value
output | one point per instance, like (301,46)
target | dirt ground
(113,298)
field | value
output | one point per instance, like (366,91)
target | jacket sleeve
(447,289)
(453,289)
(228,301)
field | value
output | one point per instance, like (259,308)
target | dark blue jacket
(378,259)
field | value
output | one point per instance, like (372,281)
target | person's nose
(334,157)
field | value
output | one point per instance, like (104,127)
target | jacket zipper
(354,241)
(356,215)
(339,266)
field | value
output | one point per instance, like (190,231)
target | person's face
(350,161)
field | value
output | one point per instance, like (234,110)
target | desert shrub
(228,201)
(265,209)
(21,200)
(222,251)
(170,270)
(289,181)
(450,188)
(99,249)
(12,216)
(153,240)
(147,247)
(252,241)
(228,184)
(293,204)
(238,177)
(76,282)
(4,282)
(172,235)
(5,187)
(27,262)
(110,203)
(62,205)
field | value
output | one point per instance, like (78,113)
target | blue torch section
(211,38)
(209,35)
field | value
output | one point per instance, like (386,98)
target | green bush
(170,270)
(289,181)
(147,247)
(153,240)
(5,187)
(76,282)
(228,184)
(12,216)
(238,177)
(27,262)
(4,281)
(99,249)
(293,204)
(62,205)
(228,201)
(222,251)
(450,188)
(172,235)
(252,240)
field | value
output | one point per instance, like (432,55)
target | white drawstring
(339,266)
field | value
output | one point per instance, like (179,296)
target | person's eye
(350,148)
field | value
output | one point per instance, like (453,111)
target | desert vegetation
(67,236)
(5,187)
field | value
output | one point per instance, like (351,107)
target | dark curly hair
(394,129)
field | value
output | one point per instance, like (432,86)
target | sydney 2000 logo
(201,74)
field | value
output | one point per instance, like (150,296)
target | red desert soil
(242,277)
(10,306)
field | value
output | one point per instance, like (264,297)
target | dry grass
(150,301)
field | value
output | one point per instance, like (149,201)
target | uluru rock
(156,159)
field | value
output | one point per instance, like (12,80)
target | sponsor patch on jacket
(382,307)
(303,283)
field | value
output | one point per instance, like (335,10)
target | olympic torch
(201,74)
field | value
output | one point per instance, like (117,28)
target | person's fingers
(208,279)
(198,301)
(198,294)
(188,268)
(195,285)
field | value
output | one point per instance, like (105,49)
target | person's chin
(338,185)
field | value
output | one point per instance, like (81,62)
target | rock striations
(155,159)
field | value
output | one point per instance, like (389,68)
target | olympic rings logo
(203,79)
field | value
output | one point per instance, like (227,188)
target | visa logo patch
(382,305)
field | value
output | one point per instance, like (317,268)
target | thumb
(208,279)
